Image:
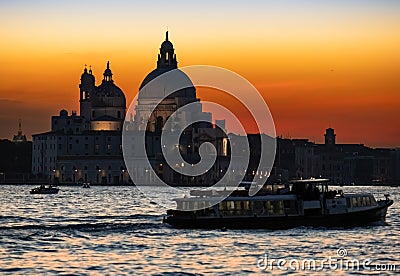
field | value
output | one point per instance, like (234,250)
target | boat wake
(87,224)
(85,227)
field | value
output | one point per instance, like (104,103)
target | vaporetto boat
(307,202)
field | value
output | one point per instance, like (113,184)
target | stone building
(341,163)
(85,147)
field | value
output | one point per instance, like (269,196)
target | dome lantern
(167,57)
(167,62)
(107,73)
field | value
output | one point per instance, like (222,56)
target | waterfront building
(85,147)
(341,163)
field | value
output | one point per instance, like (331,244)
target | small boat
(45,190)
(86,185)
(306,202)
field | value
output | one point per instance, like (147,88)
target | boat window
(275,207)
(238,205)
(222,206)
(270,207)
(279,207)
(201,205)
(373,201)
(361,201)
(258,205)
(290,206)
(246,205)
(348,202)
(185,205)
(179,205)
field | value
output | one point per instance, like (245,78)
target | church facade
(85,147)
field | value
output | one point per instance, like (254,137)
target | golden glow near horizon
(316,64)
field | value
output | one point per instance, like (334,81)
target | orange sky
(316,65)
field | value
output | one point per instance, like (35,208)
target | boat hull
(351,219)
(45,191)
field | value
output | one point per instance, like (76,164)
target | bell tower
(330,137)
(87,89)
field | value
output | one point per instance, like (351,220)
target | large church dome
(167,62)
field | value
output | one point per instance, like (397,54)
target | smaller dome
(63,113)
(167,45)
(107,72)
(110,95)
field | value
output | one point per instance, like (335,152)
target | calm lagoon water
(117,230)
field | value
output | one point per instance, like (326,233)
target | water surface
(116,230)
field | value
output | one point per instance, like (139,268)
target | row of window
(37,168)
(246,207)
(94,114)
(85,168)
(270,207)
(51,159)
(361,201)
(86,146)
(42,138)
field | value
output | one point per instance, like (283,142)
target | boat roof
(310,180)
(357,194)
(238,198)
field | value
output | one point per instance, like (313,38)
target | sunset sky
(318,64)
